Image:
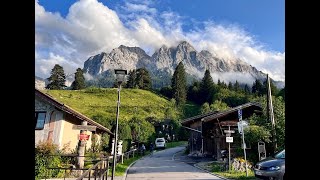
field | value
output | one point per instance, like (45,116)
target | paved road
(161,165)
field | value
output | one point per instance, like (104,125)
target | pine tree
(224,85)
(79,80)
(132,79)
(257,88)
(143,79)
(179,85)
(57,79)
(246,89)
(282,93)
(193,92)
(207,88)
(236,86)
(219,83)
(230,86)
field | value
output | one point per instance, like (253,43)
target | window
(40,119)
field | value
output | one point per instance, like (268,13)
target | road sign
(229,131)
(229,139)
(240,114)
(84,137)
(239,127)
(243,145)
(84,127)
(242,125)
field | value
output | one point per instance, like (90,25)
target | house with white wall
(54,121)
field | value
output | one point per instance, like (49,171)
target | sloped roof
(69,110)
(252,106)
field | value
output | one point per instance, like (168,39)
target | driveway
(161,165)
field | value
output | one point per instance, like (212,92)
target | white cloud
(45,66)
(139,8)
(91,27)
(233,77)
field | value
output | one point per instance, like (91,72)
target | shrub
(44,158)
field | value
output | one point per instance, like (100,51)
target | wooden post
(81,148)
(229,154)
(121,158)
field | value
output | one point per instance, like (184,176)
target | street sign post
(84,127)
(229,140)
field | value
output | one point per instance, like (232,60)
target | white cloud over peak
(90,27)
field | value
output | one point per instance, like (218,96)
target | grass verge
(121,168)
(217,168)
(175,144)
(237,175)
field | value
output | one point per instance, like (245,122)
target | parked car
(271,168)
(160,143)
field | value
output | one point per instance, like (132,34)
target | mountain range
(162,63)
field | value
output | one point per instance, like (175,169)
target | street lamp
(120,77)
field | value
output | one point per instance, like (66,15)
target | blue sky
(264,19)
(248,29)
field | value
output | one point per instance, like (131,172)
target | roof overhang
(248,109)
(69,110)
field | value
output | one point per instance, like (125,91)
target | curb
(126,172)
(195,165)
(173,156)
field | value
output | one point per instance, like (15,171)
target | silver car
(271,168)
(160,143)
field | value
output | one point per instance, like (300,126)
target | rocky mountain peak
(164,60)
(185,47)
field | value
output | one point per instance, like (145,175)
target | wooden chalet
(207,136)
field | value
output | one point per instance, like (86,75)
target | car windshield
(160,140)
(280,155)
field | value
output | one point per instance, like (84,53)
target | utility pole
(271,116)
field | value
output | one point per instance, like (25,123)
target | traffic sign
(240,114)
(239,127)
(84,127)
(229,131)
(84,137)
(229,139)
(228,135)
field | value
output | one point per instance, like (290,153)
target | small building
(207,136)
(54,122)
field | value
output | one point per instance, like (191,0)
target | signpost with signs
(241,126)
(83,137)
(229,140)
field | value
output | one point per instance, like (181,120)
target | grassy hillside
(101,103)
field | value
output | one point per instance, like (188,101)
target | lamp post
(120,77)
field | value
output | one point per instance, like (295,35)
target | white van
(160,143)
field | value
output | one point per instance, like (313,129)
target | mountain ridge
(163,61)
